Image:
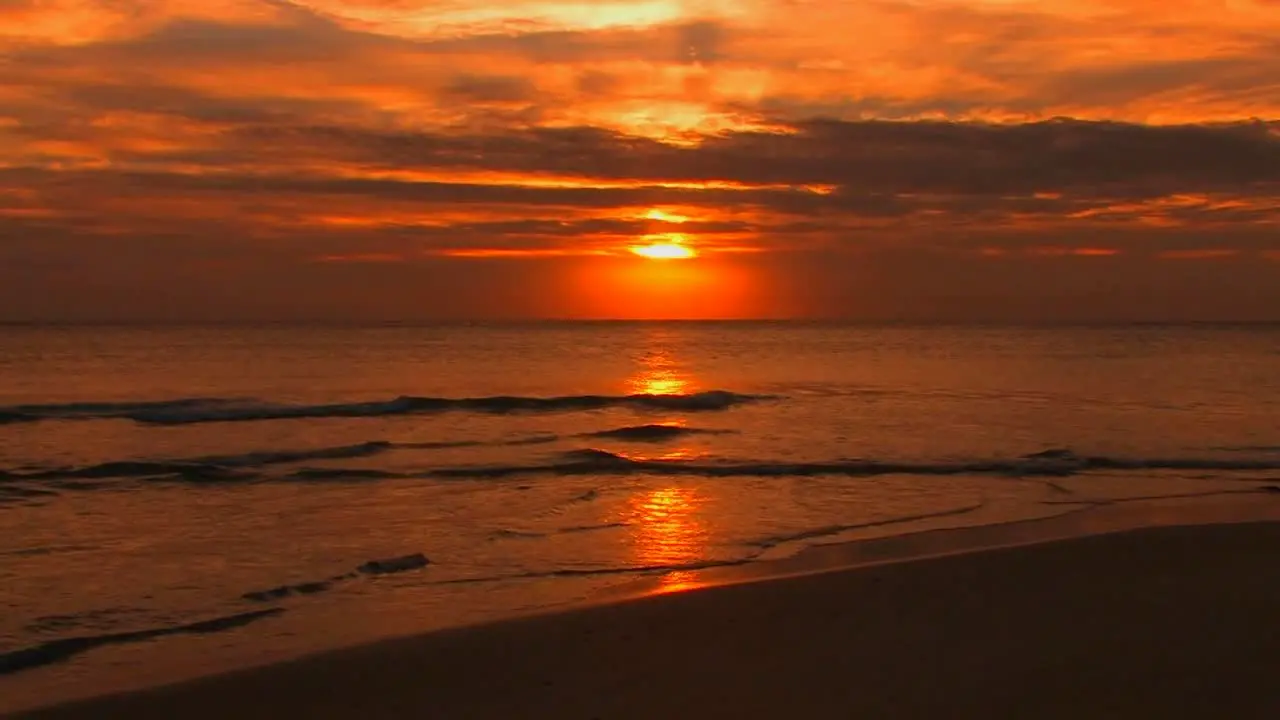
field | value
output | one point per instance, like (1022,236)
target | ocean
(176,499)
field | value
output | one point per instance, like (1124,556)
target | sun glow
(664,276)
(663,216)
(672,248)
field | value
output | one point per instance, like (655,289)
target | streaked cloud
(368,133)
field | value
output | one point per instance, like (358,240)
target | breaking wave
(1048,463)
(67,648)
(652,433)
(508,533)
(385,566)
(252,467)
(101,410)
(208,410)
(233,467)
(211,467)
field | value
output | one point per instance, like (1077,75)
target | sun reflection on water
(668,524)
(679,581)
(669,529)
(659,375)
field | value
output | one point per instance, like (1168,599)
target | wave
(64,649)
(48,550)
(773,541)
(590,528)
(604,571)
(591,461)
(222,468)
(230,467)
(385,566)
(651,433)
(142,468)
(1055,462)
(209,467)
(106,410)
(14,494)
(276,457)
(345,474)
(208,410)
(508,533)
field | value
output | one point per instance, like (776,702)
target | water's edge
(841,556)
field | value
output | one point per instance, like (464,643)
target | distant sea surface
(254,492)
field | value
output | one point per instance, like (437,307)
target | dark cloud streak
(919,157)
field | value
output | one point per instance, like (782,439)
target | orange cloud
(1200,254)
(371,136)
(518,253)
(1055,251)
(361,258)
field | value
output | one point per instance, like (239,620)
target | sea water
(203,496)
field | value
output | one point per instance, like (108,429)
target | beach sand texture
(1174,622)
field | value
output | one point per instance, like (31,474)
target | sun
(664,251)
(664,247)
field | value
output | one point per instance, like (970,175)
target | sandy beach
(1174,622)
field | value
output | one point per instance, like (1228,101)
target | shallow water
(163,476)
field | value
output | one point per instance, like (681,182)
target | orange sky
(417,159)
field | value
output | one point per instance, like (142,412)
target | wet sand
(1171,622)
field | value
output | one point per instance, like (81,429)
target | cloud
(860,158)
(826,182)
(379,133)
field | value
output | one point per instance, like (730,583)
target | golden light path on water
(660,374)
(669,529)
(668,523)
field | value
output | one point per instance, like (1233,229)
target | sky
(952,160)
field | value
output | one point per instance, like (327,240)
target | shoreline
(804,586)
(939,537)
